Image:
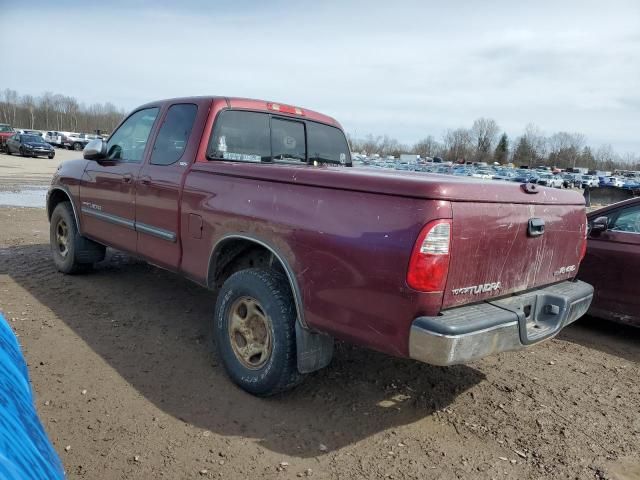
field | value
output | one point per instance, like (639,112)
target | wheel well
(237,254)
(55,197)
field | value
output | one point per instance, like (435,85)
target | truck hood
(429,186)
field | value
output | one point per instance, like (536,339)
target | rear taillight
(429,262)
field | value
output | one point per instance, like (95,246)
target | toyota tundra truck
(258,202)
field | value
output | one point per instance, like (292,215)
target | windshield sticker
(289,142)
(245,157)
(222,144)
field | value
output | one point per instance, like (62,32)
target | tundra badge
(476,289)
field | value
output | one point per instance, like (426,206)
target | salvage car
(550,180)
(258,200)
(29,146)
(612,261)
(589,181)
(5,132)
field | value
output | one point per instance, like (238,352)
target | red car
(612,263)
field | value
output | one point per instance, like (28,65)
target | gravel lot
(123,375)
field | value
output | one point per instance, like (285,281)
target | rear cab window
(247,136)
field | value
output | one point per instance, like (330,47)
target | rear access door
(159,185)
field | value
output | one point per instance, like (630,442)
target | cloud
(408,69)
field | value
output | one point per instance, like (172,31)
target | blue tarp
(25,449)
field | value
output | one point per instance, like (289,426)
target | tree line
(484,142)
(54,111)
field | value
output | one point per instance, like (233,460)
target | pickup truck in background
(56,138)
(258,201)
(77,141)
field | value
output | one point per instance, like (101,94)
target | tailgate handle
(536,227)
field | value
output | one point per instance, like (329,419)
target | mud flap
(314,350)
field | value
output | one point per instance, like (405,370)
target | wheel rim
(62,237)
(250,333)
(77,147)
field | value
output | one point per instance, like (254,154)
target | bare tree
(427,147)
(484,132)
(458,144)
(29,105)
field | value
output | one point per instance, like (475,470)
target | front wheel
(254,331)
(71,251)
(77,146)
(7,149)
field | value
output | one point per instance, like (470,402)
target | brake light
(429,263)
(277,107)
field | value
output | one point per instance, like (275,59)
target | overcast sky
(408,69)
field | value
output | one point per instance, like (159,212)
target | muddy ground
(124,377)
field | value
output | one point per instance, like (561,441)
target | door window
(627,221)
(174,134)
(127,144)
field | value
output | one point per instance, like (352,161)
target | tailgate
(494,254)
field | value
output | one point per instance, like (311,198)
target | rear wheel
(254,331)
(71,251)
(7,149)
(51,155)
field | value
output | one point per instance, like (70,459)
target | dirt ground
(127,388)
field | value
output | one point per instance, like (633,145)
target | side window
(287,141)
(242,136)
(327,144)
(174,134)
(627,221)
(127,144)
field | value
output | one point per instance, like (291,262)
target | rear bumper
(464,334)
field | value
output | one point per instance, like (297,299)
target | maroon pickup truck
(259,202)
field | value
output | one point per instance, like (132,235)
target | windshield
(5,128)
(31,139)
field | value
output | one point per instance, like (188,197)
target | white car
(550,180)
(589,181)
(616,182)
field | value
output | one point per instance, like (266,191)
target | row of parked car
(541,175)
(29,142)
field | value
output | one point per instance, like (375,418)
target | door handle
(127,178)
(145,180)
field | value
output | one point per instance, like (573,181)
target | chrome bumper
(464,334)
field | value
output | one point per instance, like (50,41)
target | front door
(159,187)
(108,187)
(613,263)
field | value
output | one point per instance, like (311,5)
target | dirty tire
(271,292)
(72,253)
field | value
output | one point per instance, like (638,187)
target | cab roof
(254,104)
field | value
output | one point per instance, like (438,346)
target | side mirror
(599,225)
(95,150)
